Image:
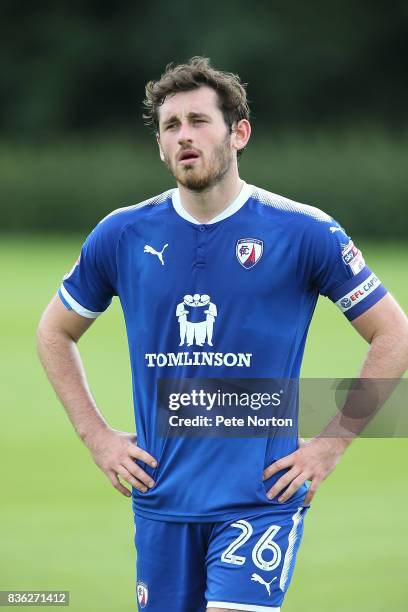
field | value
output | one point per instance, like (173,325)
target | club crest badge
(142,594)
(249,251)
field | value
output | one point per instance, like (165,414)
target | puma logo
(267,585)
(149,249)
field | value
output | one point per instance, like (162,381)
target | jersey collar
(243,196)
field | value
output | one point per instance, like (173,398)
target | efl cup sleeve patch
(337,270)
(358,294)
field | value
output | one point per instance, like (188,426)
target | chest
(234,273)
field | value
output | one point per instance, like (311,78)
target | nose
(185,135)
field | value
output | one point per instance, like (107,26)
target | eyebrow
(191,115)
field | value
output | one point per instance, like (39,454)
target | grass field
(64,527)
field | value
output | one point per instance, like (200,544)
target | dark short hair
(198,71)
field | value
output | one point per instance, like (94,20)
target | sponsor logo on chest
(197,315)
(197,320)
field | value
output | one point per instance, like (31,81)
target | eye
(170,126)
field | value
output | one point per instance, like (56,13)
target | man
(218,521)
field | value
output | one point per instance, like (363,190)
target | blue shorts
(243,564)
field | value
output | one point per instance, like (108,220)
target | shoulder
(128,214)
(110,228)
(106,234)
(287,209)
(307,227)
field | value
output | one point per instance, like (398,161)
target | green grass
(64,527)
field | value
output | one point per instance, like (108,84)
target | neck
(208,204)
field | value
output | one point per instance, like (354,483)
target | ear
(160,149)
(241,132)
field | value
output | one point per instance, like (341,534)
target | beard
(214,170)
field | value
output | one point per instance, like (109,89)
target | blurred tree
(83,65)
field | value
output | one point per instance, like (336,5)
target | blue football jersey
(232,298)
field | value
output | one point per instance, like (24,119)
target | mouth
(188,156)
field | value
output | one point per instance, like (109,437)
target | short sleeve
(90,285)
(333,266)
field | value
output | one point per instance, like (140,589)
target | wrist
(339,445)
(91,434)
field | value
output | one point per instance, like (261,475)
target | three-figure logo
(249,251)
(196,315)
(142,594)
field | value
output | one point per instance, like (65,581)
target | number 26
(264,543)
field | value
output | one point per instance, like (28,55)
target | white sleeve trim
(226,605)
(79,309)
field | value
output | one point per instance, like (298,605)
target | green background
(357,176)
(327,87)
(64,527)
(326,83)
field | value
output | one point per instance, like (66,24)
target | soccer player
(217,279)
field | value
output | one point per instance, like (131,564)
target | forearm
(387,356)
(385,363)
(62,362)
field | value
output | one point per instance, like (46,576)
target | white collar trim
(243,196)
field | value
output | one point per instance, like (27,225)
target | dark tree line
(82,65)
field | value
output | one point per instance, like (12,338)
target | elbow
(43,338)
(42,332)
(403,339)
(401,336)
(48,336)
(394,341)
